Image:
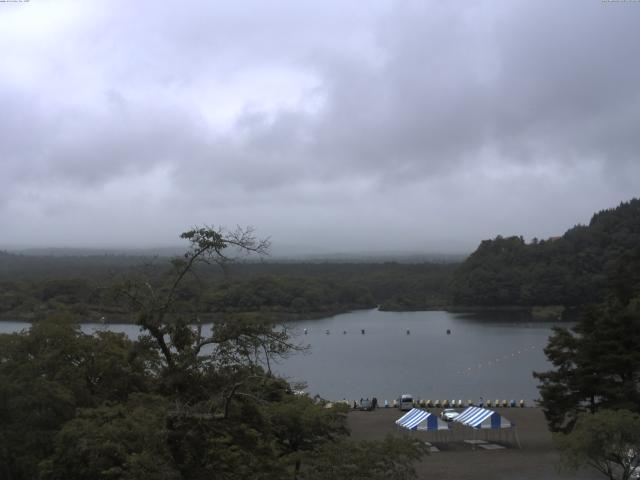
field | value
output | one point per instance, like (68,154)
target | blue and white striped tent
(417,419)
(481,418)
(487,421)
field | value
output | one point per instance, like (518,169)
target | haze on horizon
(422,126)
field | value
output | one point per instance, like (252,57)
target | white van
(405,402)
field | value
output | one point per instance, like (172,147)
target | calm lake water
(485,356)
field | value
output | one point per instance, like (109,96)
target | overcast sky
(331,125)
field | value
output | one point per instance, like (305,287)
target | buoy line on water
(499,360)
(362,331)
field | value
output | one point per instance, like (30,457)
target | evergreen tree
(597,365)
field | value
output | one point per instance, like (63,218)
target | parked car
(449,414)
(405,402)
(366,405)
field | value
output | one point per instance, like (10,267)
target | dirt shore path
(457,460)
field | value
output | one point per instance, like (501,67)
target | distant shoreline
(535,313)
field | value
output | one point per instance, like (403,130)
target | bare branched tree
(154,302)
(208,371)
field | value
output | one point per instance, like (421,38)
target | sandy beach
(457,460)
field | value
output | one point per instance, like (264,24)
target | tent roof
(417,419)
(478,417)
(412,418)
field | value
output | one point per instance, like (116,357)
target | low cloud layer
(423,126)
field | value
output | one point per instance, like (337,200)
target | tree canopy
(177,403)
(574,269)
(608,441)
(596,365)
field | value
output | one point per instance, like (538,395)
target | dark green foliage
(121,441)
(301,426)
(77,406)
(574,269)
(50,372)
(295,295)
(597,365)
(608,441)
(178,403)
(279,290)
(238,447)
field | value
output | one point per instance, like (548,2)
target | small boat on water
(448,332)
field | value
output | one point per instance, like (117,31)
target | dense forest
(179,402)
(575,269)
(571,270)
(33,286)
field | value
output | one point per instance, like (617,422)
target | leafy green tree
(202,367)
(608,441)
(220,379)
(239,446)
(49,372)
(123,441)
(178,402)
(597,365)
(300,425)
(155,302)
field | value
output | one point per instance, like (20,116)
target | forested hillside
(571,270)
(575,269)
(33,286)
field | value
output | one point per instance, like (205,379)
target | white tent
(423,421)
(480,418)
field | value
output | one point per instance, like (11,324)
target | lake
(489,355)
(486,356)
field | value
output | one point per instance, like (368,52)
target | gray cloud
(420,125)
